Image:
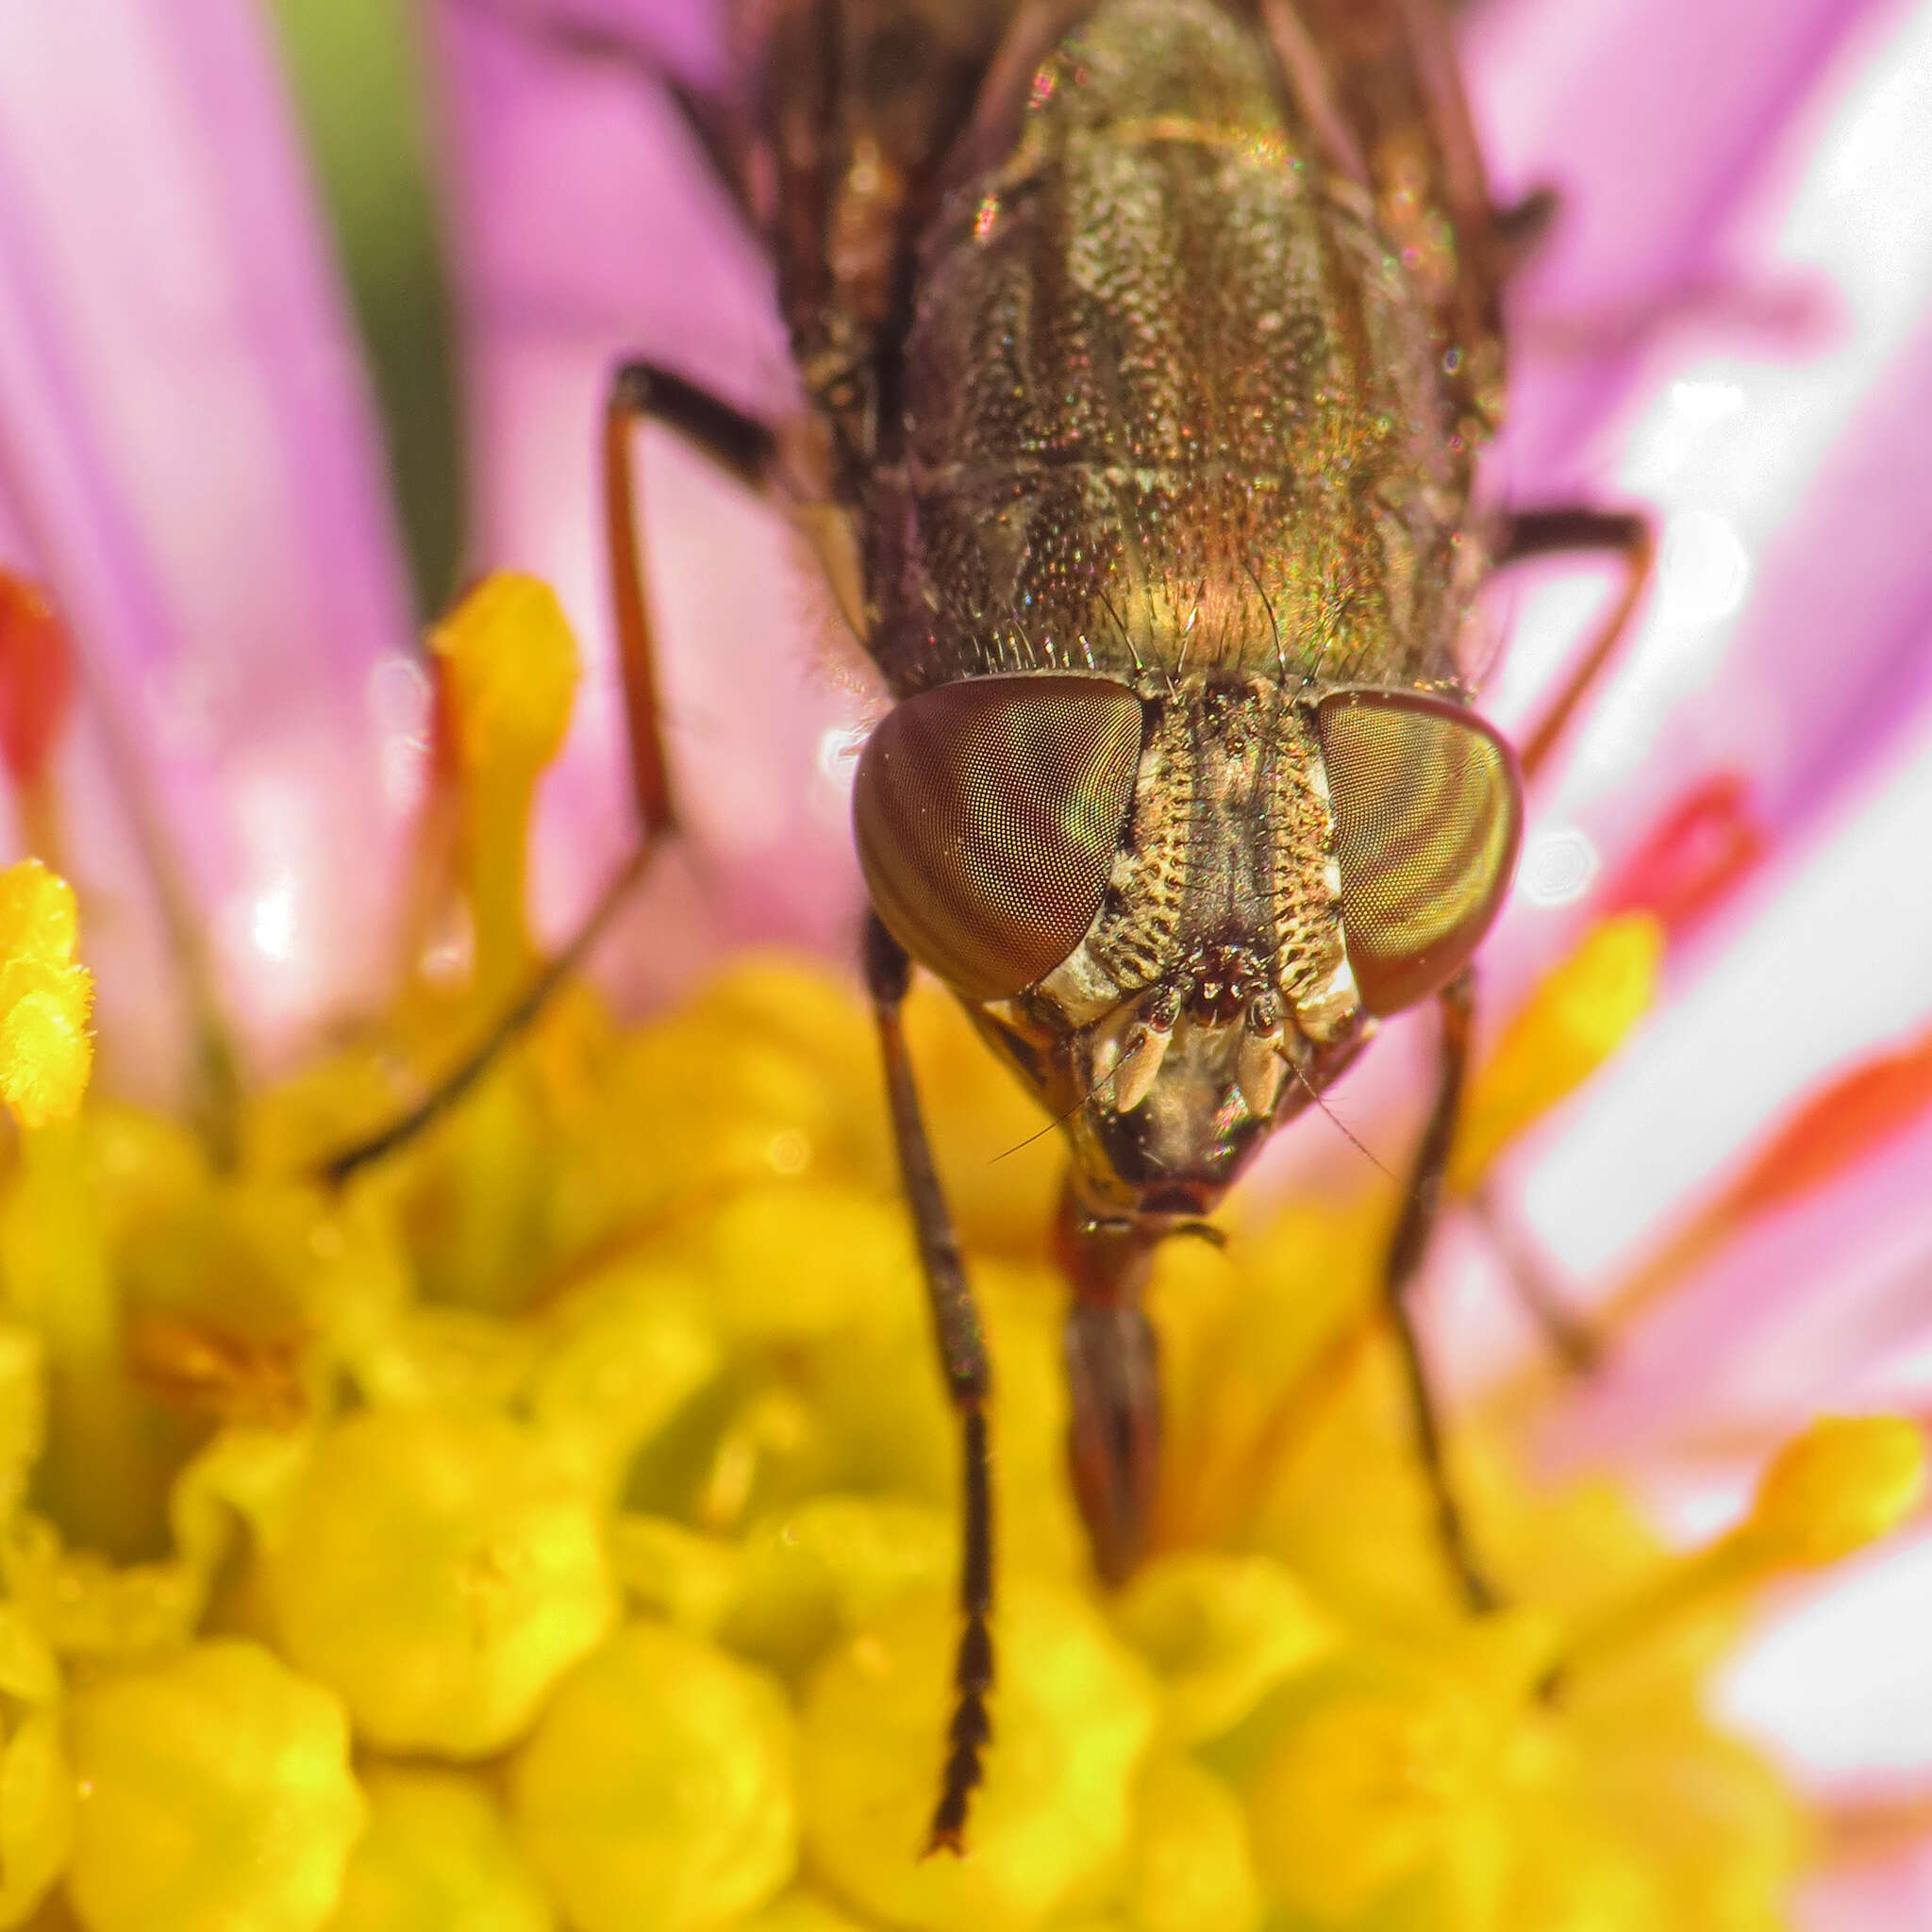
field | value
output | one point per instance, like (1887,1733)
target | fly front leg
(1573,529)
(1570,1338)
(1403,1265)
(737,443)
(969,1385)
(1113,1439)
(640,391)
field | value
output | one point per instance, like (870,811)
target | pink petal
(592,234)
(186,446)
(1874,1897)
(1655,122)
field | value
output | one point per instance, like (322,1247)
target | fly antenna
(1341,1126)
(1058,1120)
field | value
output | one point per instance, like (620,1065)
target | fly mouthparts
(1139,1062)
(1259,1069)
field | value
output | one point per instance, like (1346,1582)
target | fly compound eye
(987,815)
(1429,813)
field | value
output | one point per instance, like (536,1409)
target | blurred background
(306,309)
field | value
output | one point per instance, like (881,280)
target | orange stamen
(36,697)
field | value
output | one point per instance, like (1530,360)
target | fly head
(1176,913)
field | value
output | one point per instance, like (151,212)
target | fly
(1149,348)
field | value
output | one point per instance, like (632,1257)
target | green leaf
(357,71)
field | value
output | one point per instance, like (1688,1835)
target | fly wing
(847,108)
(1393,89)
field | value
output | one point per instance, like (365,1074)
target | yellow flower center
(557,1523)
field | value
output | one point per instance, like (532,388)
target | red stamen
(36,678)
(1701,847)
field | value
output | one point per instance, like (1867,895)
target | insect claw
(948,1839)
(1140,1061)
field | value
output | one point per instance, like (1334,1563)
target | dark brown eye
(1428,811)
(987,813)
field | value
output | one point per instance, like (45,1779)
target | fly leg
(1569,1336)
(1546,533)
(1403,1264)
(1113,1439)
(833,299)
(1528,534)
(737,443)
(640,391)
(969,1383)
(1522,228)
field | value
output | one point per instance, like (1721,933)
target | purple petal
(591,234)
(684,38)
(1655,122)
(186,444)
(1783,616)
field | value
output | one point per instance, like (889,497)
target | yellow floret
(626,1357)
(1574,1022)
(46,1051)
(1845,1482)
(660,1787)
(1223,1631)
(644,1315)
(1188,1864)
(39,920)
(441,1572)
(510,668)
(22,1408)
(1075,1713)
(438,1856)
(786,1263)
(1378,1769)
(35,1813)
(799,1911)
(29,1672)
(817,1572)
(215,1793)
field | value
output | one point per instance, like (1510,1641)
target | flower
(591,1438)
(582,1463)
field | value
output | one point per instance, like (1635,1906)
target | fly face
(1229,883)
